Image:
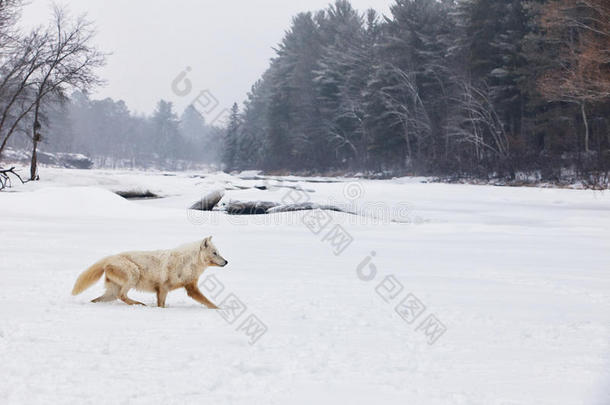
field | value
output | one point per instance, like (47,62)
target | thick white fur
(158,271)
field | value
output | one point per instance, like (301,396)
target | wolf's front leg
(193,291)
(161,296)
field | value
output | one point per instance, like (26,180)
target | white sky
(227,44)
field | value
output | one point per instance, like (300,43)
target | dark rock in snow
(137,195)
(305,207)
(249,207)
(208,202)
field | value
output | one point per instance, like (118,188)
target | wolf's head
(210,255)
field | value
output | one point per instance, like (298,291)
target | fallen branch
(5,180)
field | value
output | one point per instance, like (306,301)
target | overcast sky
(227,44)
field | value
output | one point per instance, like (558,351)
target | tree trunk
(2,146)
(408,141)
(584,119)
(34,162)
(35,140)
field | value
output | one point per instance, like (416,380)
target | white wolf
(159,271)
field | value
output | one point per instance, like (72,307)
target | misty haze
(289,202)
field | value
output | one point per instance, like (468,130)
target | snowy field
(474,295)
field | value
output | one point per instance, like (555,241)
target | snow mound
(74,201)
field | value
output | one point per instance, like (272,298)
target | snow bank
(71,202)
(518,277)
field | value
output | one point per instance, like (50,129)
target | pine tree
(343,73)
(166,135)
(293,111)
(414,77)
(488,104)
(229,152)
(251,145)
(437,87)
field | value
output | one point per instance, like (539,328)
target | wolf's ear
(206,241)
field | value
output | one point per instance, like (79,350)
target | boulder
(208,202)
(137,194)
(249,207)
(308,206)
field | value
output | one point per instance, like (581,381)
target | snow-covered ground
(447,294)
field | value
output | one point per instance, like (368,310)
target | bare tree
(70,61)
(39,69)
(19,65)
(477,122)
(405,106)
(9,15)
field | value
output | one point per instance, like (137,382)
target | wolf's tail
(89,277)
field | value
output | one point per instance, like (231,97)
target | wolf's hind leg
(104,298)
(112,292)
(123,297)
(126,279)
